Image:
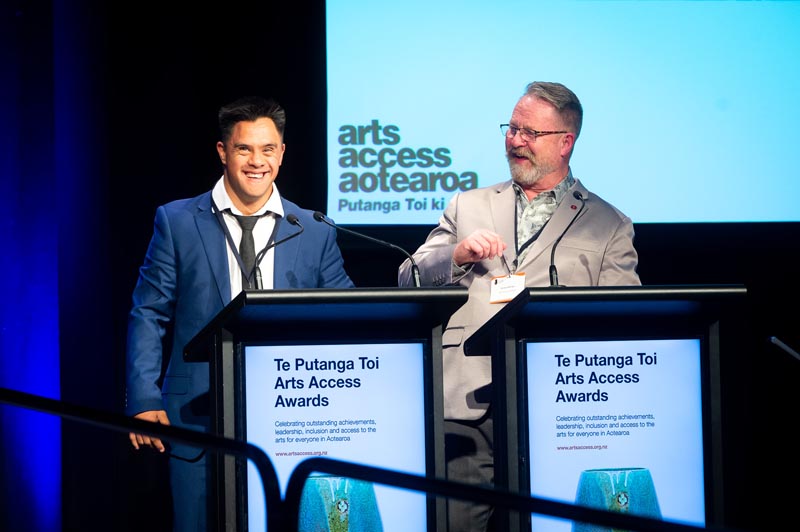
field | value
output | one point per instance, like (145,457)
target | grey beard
(526,177)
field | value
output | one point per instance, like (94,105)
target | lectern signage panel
(359,402)
(617,425)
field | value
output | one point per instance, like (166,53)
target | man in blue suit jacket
(193,269)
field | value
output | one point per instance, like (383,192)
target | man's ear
(283,152)
(567,143)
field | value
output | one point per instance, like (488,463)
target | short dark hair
(563,99)
(250,109)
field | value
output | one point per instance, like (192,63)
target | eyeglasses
(528,135)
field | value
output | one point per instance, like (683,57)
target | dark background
(119,102)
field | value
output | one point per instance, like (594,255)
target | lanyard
(229,238)
(528,242)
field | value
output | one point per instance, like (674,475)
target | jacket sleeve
(620,259)
(435,256)
(152,311)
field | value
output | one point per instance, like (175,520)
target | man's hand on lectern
(143,440)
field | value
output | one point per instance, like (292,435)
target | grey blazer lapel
(503,208)
(567,210)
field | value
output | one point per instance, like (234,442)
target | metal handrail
(283,514)
(121,423)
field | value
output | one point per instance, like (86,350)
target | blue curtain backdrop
(55,324)
(30,470)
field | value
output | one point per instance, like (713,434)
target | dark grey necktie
(247,248)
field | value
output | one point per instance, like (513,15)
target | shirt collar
(558,191)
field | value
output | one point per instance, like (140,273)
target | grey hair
(564,100)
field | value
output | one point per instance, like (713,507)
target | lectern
(596,387)
(352,374)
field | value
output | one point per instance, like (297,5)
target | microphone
(318,216)
(785,347)
(553,271)
(292,219)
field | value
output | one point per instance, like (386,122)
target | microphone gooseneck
(292,219)
(318,216)
(553,271)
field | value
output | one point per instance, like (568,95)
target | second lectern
(610,397)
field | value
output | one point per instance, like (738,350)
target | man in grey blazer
(194,267)
(486,234)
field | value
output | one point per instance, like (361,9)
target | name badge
(505,287)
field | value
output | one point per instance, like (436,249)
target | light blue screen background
(690,107)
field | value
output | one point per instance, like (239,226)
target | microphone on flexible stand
(553,271)
(292,219)
(318,216)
